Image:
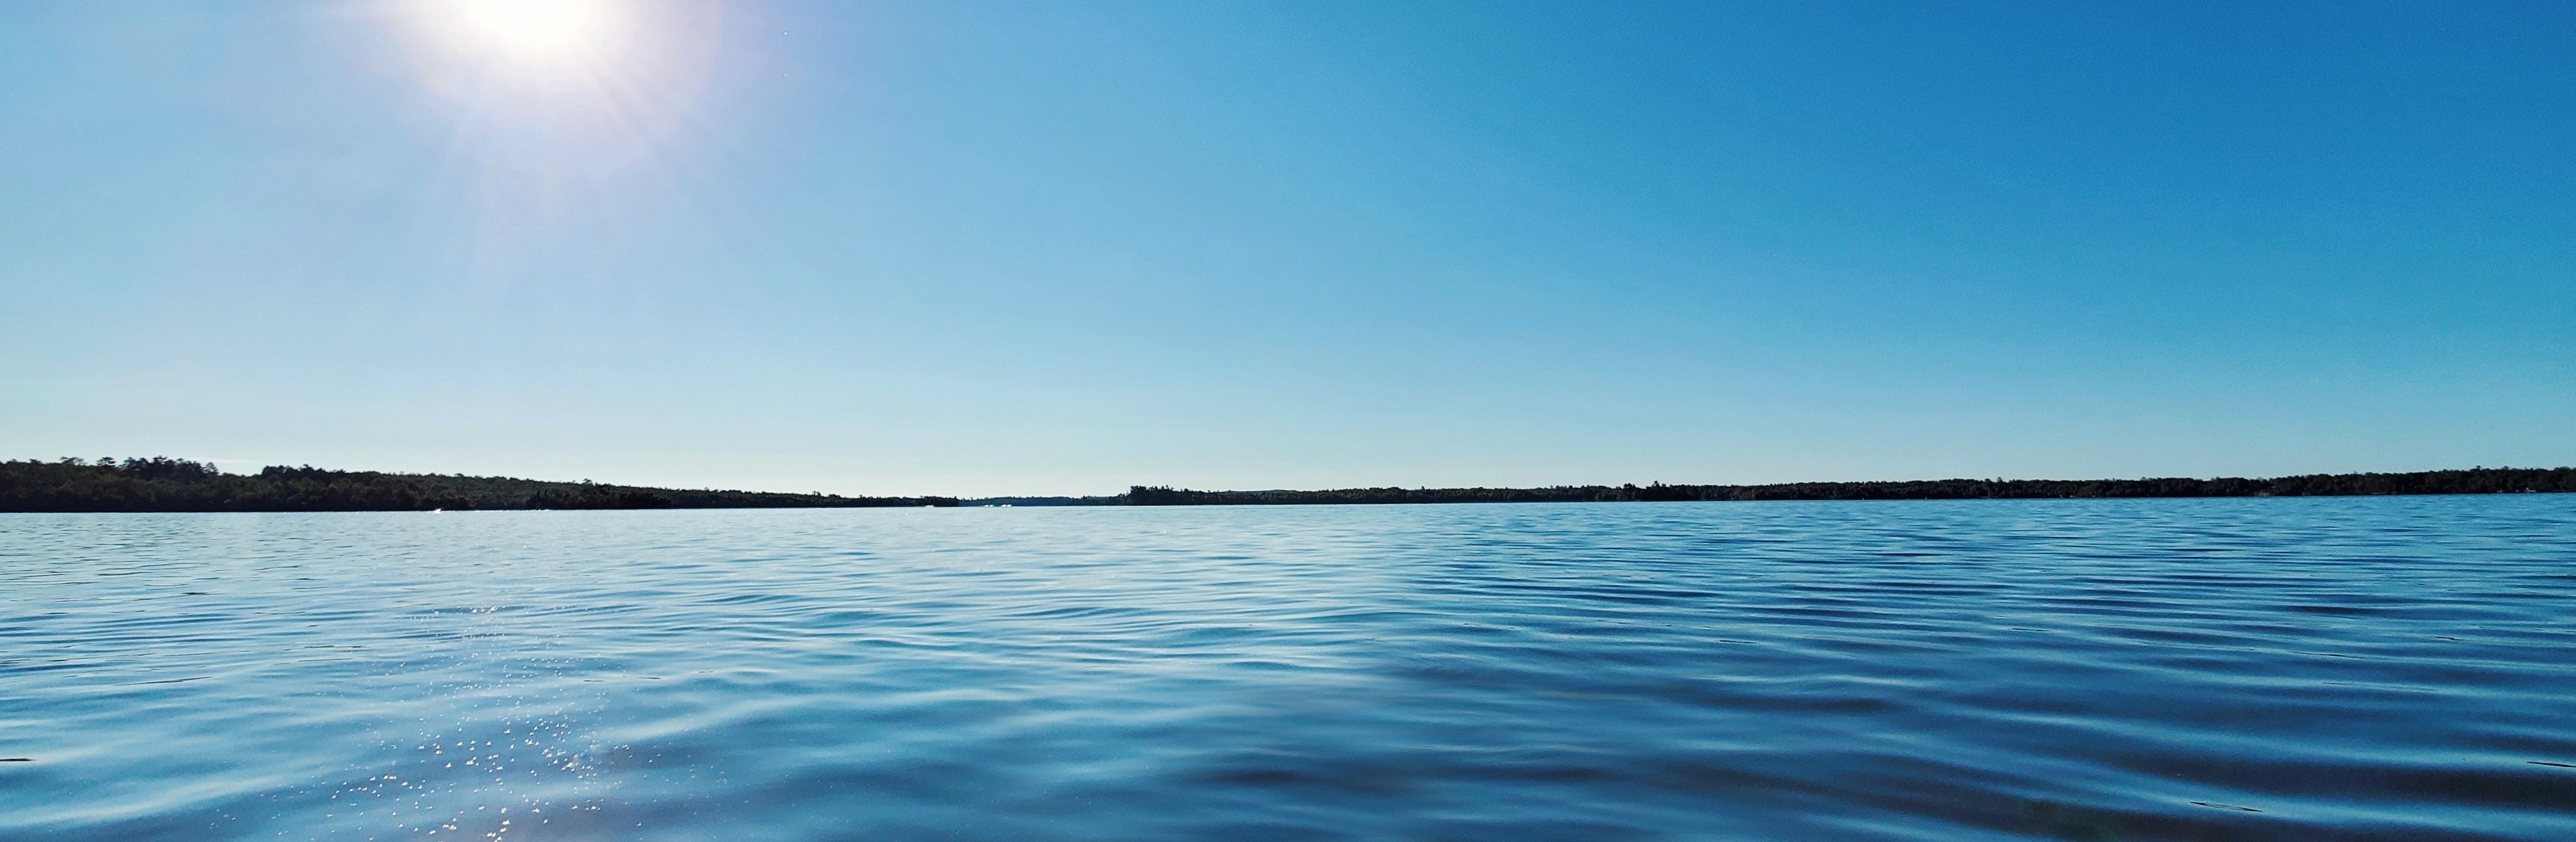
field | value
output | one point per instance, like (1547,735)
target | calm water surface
(2384,668)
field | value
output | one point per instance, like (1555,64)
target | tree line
(2471,481)
(163,484)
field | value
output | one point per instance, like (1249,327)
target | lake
(2220,669)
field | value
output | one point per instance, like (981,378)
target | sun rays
(536,32)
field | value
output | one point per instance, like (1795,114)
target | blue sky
(974,248)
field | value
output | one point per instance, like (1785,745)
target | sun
(535,30)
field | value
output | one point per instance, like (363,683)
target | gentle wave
(2360,668)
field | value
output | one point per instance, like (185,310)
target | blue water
(2359,668)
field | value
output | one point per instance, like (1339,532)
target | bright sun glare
(536,29)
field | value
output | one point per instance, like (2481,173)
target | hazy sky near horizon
(972,248)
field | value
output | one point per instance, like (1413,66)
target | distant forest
(162,484)
(2475,481)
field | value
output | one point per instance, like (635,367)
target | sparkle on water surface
(2384,668)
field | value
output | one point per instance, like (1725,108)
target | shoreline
(162,484)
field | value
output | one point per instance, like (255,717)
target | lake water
(2312,669)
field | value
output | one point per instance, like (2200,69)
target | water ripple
(2342,669)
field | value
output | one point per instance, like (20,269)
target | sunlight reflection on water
(2381,668)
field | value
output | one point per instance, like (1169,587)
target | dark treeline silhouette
(162,484)
(2474,481)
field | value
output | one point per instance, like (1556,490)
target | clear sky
(970,248)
